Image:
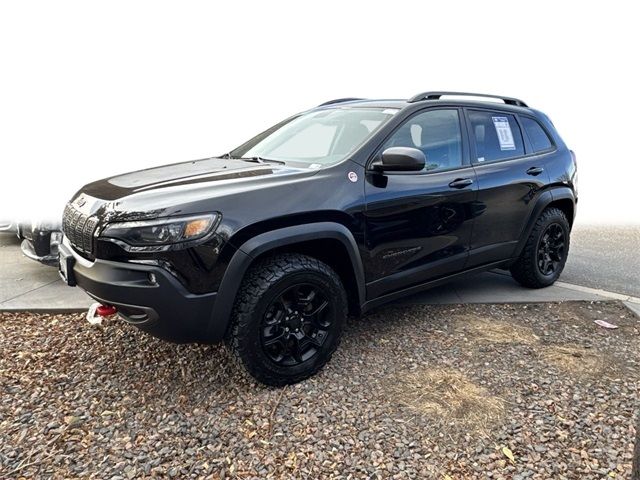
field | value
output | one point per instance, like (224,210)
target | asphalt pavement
(604,259)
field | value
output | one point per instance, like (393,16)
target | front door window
(437,133)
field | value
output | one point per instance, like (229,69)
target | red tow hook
(106,310)
(98,311)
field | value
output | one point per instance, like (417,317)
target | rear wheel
(288,318)
(545,253)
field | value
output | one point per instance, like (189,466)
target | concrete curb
(633,307)
(596,291)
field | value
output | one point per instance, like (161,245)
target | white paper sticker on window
(503,129)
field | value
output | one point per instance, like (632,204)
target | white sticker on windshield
(390,111)
(315,166)
(503,129)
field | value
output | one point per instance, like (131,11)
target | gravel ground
(484,391)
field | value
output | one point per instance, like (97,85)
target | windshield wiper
(228,156)
(260,160)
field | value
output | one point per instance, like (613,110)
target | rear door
(510,177)
(418,224)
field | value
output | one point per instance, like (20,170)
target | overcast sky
(91,89)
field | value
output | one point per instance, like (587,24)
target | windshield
(320,138)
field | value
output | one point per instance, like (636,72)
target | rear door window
(496,136)
(539,139)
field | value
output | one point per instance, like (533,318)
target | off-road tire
(526,270)
(264,282)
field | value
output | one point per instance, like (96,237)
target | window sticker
(503,129)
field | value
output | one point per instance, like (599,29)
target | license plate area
(65,266)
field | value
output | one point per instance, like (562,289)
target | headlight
(162,233)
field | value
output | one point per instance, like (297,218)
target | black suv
(327,214)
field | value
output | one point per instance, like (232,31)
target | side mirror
(401,159)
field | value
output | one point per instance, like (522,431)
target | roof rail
(339,100)
(436,96)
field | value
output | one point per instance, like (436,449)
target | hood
(168,189)
(185,173)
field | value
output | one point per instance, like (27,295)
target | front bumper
(40,242)
(8,227)
(148,297)
(29,251)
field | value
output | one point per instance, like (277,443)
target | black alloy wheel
(296,324)
(551,249)
(288,318)
(545,251)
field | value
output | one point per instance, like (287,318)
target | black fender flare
(260,244)
(562,192)
(544,200)
(566,193)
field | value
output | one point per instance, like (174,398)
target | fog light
(152,278)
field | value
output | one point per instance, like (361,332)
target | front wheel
(545,253)
(288,318)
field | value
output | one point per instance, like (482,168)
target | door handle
(535,171)
(461,183)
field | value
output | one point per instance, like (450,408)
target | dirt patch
(450,398)
(569,358)
(575,360)
(496,331)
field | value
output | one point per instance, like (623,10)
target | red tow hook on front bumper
(106,310)
(98,311)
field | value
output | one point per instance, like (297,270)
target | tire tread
(524,270)
(257,281)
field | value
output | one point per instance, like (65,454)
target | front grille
(79,229)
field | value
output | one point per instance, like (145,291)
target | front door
(418,224)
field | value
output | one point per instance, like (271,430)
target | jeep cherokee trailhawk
(327,214)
